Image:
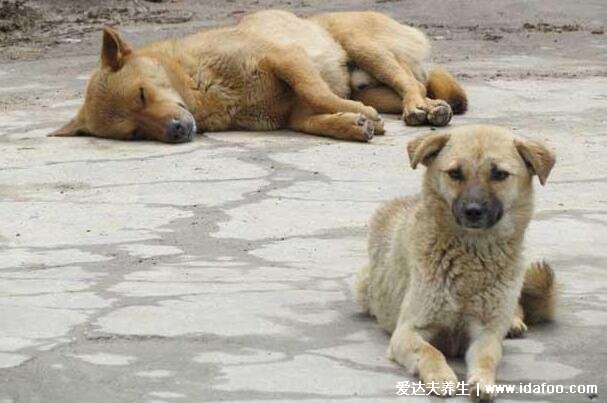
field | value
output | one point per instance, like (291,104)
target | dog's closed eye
(142,95)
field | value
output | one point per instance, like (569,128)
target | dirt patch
(16,17)
(35,25)
(114,15)
(38,29)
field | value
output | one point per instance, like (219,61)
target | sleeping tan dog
(272,70)
(446,270)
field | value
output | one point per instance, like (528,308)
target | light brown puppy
(272,70)
(446,270)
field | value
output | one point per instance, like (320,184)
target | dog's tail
(442,85)
(539,294)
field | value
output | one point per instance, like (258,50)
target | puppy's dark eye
(142,95)
(499,175)
(456,174)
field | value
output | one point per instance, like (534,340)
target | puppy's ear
(538,158)
(423,149)
(113,49)
(75,127)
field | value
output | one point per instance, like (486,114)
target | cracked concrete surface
(220,270)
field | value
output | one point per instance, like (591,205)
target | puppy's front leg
(409,348)
(482,358)
(518,328)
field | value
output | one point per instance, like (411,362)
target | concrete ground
(220,270)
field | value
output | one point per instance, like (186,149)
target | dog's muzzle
(477,214)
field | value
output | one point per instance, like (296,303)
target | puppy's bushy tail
(539,294)
(442,85)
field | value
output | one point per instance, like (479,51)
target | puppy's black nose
(477,213)
(474,212)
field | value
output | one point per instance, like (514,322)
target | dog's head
(481,173)
(131,96)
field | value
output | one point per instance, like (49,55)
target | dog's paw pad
(440,115)
(367,127)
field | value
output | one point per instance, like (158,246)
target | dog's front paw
(480,387)
(378,127)
(415,116)
(371,113)
(441,382)
(518,328)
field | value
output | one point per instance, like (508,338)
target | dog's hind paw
(440,114)
(433,111)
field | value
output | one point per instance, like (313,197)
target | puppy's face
(482,173)
(131,97)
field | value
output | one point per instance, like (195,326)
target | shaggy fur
(437,285)
(272,70)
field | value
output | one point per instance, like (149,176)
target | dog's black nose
(474,212)
(177,127)
(477,213)
(180,129)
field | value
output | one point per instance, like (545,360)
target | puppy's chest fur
(465,278)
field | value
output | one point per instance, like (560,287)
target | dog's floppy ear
(75,127)
(423,149)
(538,158)
(113,49)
